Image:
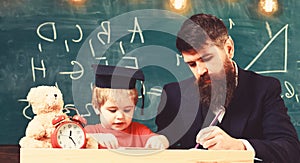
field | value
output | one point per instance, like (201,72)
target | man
(253,117)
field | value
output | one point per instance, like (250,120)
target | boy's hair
(101,95)
(200,30)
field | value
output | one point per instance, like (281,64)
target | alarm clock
(69,133)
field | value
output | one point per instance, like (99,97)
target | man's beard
(218,92)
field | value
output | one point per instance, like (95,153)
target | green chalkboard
(55,42)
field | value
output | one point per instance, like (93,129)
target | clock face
(70,135)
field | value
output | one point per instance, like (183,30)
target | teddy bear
(46,103)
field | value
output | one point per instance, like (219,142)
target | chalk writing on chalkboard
(48,32)
(49,39)
(290,92)
(285,56)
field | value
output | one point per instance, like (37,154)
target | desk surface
(134,156)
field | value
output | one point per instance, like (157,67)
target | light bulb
(268,6)
(178,4)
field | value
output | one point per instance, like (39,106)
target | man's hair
(101,95)
(200,30)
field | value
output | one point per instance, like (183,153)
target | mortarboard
(115,77)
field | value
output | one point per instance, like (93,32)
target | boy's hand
(108,140)
(91,143)
(157,142)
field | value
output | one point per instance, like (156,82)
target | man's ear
(229,47)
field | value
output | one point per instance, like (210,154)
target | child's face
(117,115)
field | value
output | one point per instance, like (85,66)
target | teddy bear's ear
(31,95)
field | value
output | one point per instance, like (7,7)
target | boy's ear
(229,48)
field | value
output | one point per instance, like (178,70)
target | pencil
(214,122)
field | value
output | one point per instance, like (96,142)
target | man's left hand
(215,138)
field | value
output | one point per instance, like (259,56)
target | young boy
(115,97)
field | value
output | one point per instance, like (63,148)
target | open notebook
(97,137)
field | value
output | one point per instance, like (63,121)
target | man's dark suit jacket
(256,113)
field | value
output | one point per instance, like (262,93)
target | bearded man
(254,116)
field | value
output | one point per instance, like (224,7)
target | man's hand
(215,138)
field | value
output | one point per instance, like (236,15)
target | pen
(257,159)
(214,122)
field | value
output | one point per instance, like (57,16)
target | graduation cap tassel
(143,98)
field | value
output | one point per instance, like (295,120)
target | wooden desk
(133,156)
(9,153)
